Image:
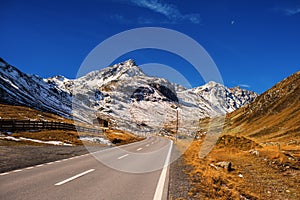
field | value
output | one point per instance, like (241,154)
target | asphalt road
(134,171)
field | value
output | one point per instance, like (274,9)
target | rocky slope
(18,88)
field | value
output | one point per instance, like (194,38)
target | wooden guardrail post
(13,125)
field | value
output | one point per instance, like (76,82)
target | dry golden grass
(270,175)
(119,137)
(70,137)
(273,117)
(270,125)
(25,113)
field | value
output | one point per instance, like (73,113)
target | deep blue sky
(254,43)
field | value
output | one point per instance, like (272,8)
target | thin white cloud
(168,10)
(145,20)
(244,85)
(288,11)
(120,18)
(140,20)
(292,11)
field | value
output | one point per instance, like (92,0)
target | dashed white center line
(123,156)
(139,149)
(152,142)
(147,145)
(40,165)
(74,177)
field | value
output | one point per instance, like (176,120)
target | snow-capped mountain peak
(127,68)
(208,87)
(122,93)
(220,98)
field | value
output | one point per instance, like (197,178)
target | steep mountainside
(259,149)
(124,94)
(18,88)
(273,116)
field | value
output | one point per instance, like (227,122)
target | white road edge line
(123,156)
(74,177)
(17,170)
(139,149)
(4,174)
(162,179)
(29,167)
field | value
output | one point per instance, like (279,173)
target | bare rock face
(143,93)
(254,152)
(168,93)
(225,165)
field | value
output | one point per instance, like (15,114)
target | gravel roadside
(179,183)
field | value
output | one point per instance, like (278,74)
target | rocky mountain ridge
(123,93)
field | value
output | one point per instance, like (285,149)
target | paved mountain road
(140,174)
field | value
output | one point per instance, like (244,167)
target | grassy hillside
(262,143)
(273,117)
(25,113)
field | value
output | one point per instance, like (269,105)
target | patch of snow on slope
(37,141)
(95,140)
(9,82)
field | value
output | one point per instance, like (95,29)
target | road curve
(135,171)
